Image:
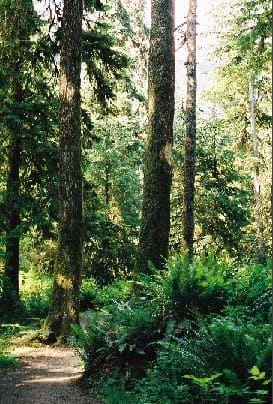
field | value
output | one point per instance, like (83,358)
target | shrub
(117,338)
(216,365)
(88,293)
(250,286)
(7,360)
(35,293)
(119,291)
(7,331)
(164,377)
(184,334)
(184,288)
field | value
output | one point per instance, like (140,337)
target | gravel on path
(44,375)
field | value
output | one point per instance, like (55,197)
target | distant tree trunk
(64,309)
(14,130)
(13,217)
(155,223)
(11,289)
(190,138)
(256,177)
(107,183)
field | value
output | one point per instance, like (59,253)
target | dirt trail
(44,375)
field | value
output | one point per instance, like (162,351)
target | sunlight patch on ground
(63,379)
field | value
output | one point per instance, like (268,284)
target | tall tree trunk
(64,309)
(13,211)
(155,224)
(190,138)
(256,175)
(15,133)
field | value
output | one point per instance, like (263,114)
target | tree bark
(155,223)
(190,138)
(13,211)
(14,30)
(261,252)
(64,309)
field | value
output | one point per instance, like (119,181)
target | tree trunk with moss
(13,31)
(155,223)
(11,279)
(190,138)
(64,309)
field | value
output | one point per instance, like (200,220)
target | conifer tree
(155,223)
(190,138)
(64,308)
(19,23)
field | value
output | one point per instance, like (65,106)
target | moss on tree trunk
(155,224)
(64,309)
(190,138)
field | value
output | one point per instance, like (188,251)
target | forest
(135,201)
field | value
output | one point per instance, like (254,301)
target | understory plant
(191,333)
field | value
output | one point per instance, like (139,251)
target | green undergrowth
(35,293)
(193,333)
(11,334)
(7,333)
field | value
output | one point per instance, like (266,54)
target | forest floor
(44,374)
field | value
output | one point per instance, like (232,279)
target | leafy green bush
(118,291)
(35,293)
(217,364)
(93,296)
(7,331)
(7,360)
(117,338)
(253,290)
(185,288)
(191,333)
(237,345)
(164,377)
(88,293)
